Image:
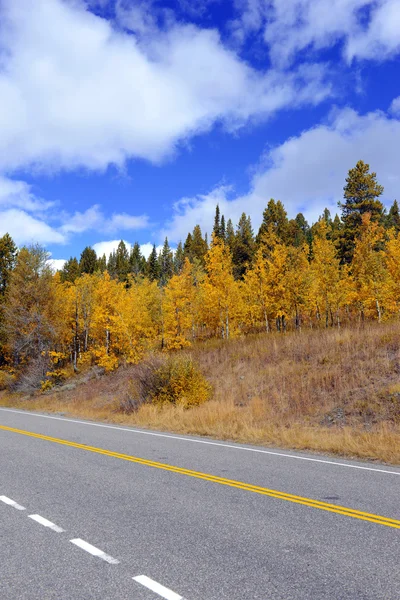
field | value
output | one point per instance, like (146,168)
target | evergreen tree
(222,229)
(122,266)
(102,264)
(217,223)
(298,231)
(361,194)
(166,261)
(70,270)
(393,217)
(243,248)
(187,247)
(179,259)
(230,235)
(198,247)
(112,264)
(8,256)
(153,266)
(137,262)
(274,220)
(88,261)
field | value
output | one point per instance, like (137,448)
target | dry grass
(330,391)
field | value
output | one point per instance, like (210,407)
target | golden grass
(334,391)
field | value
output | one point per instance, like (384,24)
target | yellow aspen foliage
(178,308)
(223,304)
(392,261)
(370,278)
(328,289)
(297,281)
(256,293)
(139,313)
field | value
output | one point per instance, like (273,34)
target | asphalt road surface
(98,512)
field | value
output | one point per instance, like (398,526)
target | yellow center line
(341,510)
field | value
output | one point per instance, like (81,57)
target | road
(96,512)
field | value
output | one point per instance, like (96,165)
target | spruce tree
(217,222)
(152,266)
(187,247)
(70,271)
(230,235)
(222,229)
(166,260)
(243,248)
(8,257)
(179,259)
(88,261)
(112,264)
(198,247)
(102,264)
(137,262)
(275,220)
(393,217)
(122,266)
(361,194)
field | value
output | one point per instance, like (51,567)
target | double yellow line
(340,510)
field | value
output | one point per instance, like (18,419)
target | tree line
(287,276)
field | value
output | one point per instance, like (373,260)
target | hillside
(335,391)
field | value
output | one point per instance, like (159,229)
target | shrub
(173,380)
(6,380)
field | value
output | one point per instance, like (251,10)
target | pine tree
(153,266)
(275,220)
(70,270)
(230,235)
(393,217)
(198,247)
(243,248)
(122,266)
(217,223)
(361,194)
(187,247)
(222,228)
(166,260)
(137,262)
(88,261)
(8,257)
(112,264)
(101,264)
(179,259)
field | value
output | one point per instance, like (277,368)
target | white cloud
(76,91)
(395,106)
(306,172)
(369,29)
(26,229)
(94,219)
(111,246)
(56,264)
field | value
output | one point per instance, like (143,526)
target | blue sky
(125,119)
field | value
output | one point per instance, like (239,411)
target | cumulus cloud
(367,29)
(111,246)
(26,229)
(76,91)
(395,106)
(94,219)
(56,264)
(307,172)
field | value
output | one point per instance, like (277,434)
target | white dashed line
(157,588)
(12,503)
(94,551)
(46,523)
